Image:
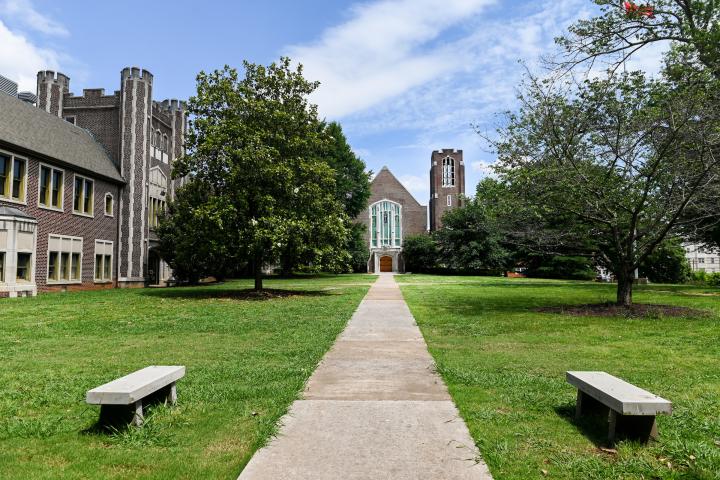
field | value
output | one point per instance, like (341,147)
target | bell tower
(447,183)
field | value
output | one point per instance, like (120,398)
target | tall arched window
(385,224)
(166,143)
(448,172)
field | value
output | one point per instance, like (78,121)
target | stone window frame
(112,205)
(70,280)
(9,182)
(53,169)
(92,200)
(104,262)
(448,172)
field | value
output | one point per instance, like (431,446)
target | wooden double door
(386,264)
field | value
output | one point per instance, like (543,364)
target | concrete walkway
(374,408)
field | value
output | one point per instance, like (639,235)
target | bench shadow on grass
(207,293)
(593,424)
(116,420)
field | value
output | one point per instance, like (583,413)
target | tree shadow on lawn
(204,293)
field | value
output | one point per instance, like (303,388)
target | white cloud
(20,60)
(24,12)
(378,54)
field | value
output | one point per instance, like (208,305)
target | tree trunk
(258,273)
(624,289)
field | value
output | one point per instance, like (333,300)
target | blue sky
(403,77)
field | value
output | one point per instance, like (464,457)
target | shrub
(421,254)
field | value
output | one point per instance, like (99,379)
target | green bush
(421,254)
(667,264)
(565,267)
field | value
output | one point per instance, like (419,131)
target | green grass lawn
(246,360)
(505,367)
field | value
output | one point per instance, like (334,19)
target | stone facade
(447,183)
(141,138)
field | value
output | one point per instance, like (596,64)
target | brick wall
(99,227)
(438,206)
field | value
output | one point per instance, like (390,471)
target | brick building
(82,181)
(393,213)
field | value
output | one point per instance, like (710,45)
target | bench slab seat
(133,388)
(630,408)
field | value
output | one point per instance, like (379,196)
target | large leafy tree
(255,142)
(624,157)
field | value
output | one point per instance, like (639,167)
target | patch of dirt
(613,310)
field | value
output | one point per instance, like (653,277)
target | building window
(24,265)
(70,119)
(103,260)
(2,267)
(64,259)
(51,187)
(83,196)
(166,143)
(448,172)
(13,177)
(109,205)
(158,143)
(157,208)
(449,200)
(385,224)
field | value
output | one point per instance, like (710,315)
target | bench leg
(612,426)
(578,404)
(173,394)
(637,427)
(138,417)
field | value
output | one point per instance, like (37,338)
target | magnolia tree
(625,158)
(256,144)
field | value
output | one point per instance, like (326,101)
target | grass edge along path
(505,364)
(246,360)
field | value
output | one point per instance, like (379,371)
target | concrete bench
(132,389)
(632,410)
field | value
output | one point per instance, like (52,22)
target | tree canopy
(623,156)
(256,144)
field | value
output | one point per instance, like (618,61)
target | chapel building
(393,213)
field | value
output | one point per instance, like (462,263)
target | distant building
(393,213)
(702,259)
(82,182)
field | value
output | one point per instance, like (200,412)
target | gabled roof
(27,127)
(385,172)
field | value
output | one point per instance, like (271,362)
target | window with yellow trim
(13,177)
(51,187)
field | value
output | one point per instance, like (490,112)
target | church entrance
(386,264)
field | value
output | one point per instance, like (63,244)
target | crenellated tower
(51,88)
(135,130)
